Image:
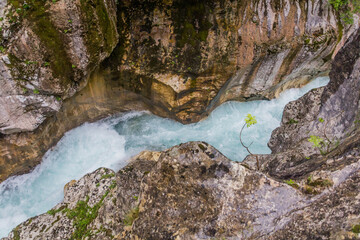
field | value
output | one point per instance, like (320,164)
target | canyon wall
(191,191)
(177,59)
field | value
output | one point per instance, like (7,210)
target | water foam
(110,142)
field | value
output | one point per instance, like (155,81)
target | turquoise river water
(112,141)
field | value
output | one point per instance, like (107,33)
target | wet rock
(191,57)
(330,113)
(191,191)
(175,66)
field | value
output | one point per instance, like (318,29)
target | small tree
(249,121)
(324,143)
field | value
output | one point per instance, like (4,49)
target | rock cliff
(48,50)
(177,59)
(191,191)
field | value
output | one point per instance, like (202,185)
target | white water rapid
(112,141)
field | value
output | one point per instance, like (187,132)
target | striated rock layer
(191,191)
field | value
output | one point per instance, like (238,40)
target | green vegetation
(292,121)
(113,185)
(82,215)
(36,12)
(356,229)
(346,9)
(249,121)
(131,216)
(16,233)
(319,182)
(292,183)
(109,175)
(324,143)
(36,91)
(315,186)
(54,211)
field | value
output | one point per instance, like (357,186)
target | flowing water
(112,141)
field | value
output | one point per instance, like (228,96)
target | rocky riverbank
(176,59)
(191,191)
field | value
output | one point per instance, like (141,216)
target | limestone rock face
(189,57)
(191,191)
(48,49)
(330,113)
(178,59)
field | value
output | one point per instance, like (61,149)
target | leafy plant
(316,141)
(324,143)
(249,121)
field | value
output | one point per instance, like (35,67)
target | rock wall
(192,191)
(192,56)
(331,113)
(19,153)
(47,51)
(177,59)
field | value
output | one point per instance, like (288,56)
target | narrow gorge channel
(112,141)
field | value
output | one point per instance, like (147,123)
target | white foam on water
(110,142)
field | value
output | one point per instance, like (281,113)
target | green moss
(16,233)
(191,26)
(113,184)
(319,182)
(82,215)
(131,216)
(202,147)
(95,14)
(193,83)
(292,183)
(292,121)
(109,175)
(310,190)
(356,229)
(50,37)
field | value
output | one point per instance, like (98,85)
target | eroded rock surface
(331,113)
(177,59)
(183,54)
(48,50)
(192,191)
